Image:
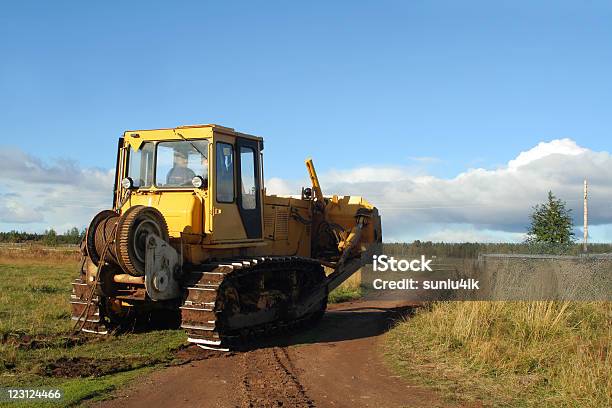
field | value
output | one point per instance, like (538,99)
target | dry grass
(511,353)
(38,254)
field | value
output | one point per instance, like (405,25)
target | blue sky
(352,84)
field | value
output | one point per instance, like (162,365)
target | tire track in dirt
(336,364)
(289,369)
(247,390)
(269,379)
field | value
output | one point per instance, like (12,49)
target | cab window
(178,162)
(140,165)
(248,177)
(224,172)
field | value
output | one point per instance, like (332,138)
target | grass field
(532,354)
(38,348)
(528,354)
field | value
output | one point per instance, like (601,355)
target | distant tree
(551,223)
(50,237)
(72,236)
(16,236)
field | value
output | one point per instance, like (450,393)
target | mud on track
(338,363)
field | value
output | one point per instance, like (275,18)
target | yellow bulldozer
(193,237)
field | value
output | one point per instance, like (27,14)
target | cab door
(236,213)
(249,191)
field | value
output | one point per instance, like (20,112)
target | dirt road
(336,364)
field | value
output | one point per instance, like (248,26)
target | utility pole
(586,217)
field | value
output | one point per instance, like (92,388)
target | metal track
(229,303)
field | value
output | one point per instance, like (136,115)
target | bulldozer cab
(205,180)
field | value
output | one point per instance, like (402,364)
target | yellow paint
(181,209)
(203,228)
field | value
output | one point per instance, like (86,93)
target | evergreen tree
(551,223)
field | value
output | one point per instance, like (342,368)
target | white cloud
(559,146)
(279,186)
(467,233)
(478,204)
(493,202)
(12,210)
(59,195)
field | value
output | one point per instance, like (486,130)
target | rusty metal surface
(219,313)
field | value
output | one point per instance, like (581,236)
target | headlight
(197,181)
(127,183)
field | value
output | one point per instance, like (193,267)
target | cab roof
(136,137)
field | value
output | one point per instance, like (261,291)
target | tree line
(49,237)
(550,232)
(473,249)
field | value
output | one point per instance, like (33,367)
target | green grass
(345,294)
(34,298)
(532,354)
(34,305)
(76,390)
